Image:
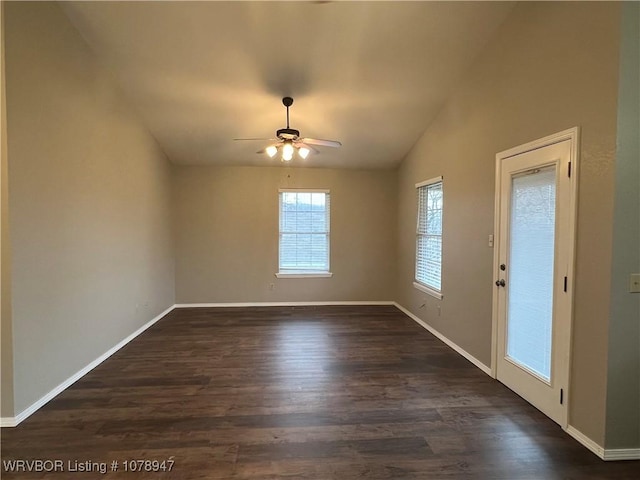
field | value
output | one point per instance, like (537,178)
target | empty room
(320,240)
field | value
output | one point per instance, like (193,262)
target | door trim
(573,135)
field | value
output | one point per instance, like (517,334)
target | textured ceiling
(369,74)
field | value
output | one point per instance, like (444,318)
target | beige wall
(226,227)
(550,67)
(623,381)
(6,337)
(90,196)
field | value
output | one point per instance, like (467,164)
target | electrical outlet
(634,283)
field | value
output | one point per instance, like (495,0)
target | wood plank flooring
(298,393)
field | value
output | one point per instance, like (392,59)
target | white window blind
(304,231)
(532,231)
(429,234)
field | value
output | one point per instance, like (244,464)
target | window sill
(429,291)
(304,274)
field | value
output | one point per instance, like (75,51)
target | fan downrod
(287,102)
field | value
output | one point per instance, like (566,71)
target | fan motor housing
(287,134)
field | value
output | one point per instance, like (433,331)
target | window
(304,233)
(429,237)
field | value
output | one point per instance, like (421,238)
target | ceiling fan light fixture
(287,151)
(303,152)
(271,151)
(289,141)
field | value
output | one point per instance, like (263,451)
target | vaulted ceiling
(369,74)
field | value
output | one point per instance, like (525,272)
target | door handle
(500,283)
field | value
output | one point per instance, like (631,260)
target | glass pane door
(531,264)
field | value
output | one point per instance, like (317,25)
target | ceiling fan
(288,141)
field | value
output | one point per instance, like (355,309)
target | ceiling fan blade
(260,139)
(300,144)
(321,143)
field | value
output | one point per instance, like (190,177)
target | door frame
(573,135)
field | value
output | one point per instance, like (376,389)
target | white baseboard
(586,441)
(612,454)
(608,454)
(14,421)
(8,422)
(280,304)
(445,340)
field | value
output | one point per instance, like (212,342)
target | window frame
(305,273)
(418,284)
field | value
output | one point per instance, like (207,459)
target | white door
(533,270)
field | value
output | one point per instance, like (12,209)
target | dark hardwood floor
(302,392)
